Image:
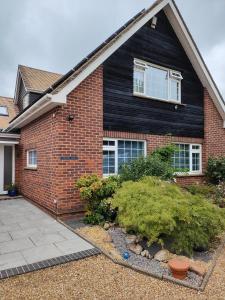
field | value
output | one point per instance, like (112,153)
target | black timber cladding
(125,112)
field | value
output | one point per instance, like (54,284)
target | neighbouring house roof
(56,93)
(36,80)
(12,110)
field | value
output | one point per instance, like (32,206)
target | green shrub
(207,191)
(219,195)
(215,171)
(95,190)
(165,153)
(156,164)
(161,211)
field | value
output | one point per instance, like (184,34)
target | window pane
(157,83)
(195,147)
(138,80)
(134,145)
(140,145)
(174,90)
(108,143)
(195,161)
(108,162)
(121,144)
(32,158)
(181,158)
(131,150)
(121,153)
(3,111)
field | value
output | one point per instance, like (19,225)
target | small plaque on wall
(69,158)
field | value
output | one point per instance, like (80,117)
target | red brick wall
(52,184)
(82,138)
(37,184)
(214,131)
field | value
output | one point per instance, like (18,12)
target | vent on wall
(154,22)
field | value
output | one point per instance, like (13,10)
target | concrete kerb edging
(161,277)
(6,197)
(209,273)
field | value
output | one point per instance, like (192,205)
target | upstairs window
(32,158)
(157,82)
(4,111)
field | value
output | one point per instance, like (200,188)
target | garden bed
(113,244)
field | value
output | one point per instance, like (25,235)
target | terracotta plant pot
(179,268)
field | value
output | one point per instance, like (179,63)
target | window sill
(190,175)
(31,168)
(160,100)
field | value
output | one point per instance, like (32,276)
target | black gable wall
(125,112)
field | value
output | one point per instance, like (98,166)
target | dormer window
(4,111)
(156,82)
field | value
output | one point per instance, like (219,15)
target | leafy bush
(156,164)
(95,190)
(215,171)
(207,191)
(219,196)
(165,153)
(161,211)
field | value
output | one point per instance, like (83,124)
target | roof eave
(44,105)
(194,55)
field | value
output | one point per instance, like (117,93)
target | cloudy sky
(56,34)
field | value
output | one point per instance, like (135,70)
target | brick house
(144,87)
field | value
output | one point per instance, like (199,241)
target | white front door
(1,169)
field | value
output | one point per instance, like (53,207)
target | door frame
(2,144)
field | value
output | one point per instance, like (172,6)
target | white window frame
(6,110)
(34,166)
(172,75)
(191,151)
(115,149)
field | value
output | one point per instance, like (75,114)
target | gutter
(43,105)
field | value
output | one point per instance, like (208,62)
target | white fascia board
(194,56)
(45,104)
(9,142)
(9,135)
(108,52)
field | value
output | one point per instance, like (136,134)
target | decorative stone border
(162,277)
(48,263)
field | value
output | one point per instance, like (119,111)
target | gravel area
(147,265)
(98,278)
(99,237)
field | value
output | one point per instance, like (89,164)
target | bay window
(156,82)
(188,158)
(117,152)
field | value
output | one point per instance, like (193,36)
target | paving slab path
(28,236)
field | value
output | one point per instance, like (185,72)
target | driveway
(28,236)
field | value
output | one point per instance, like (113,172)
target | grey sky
(54,34)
